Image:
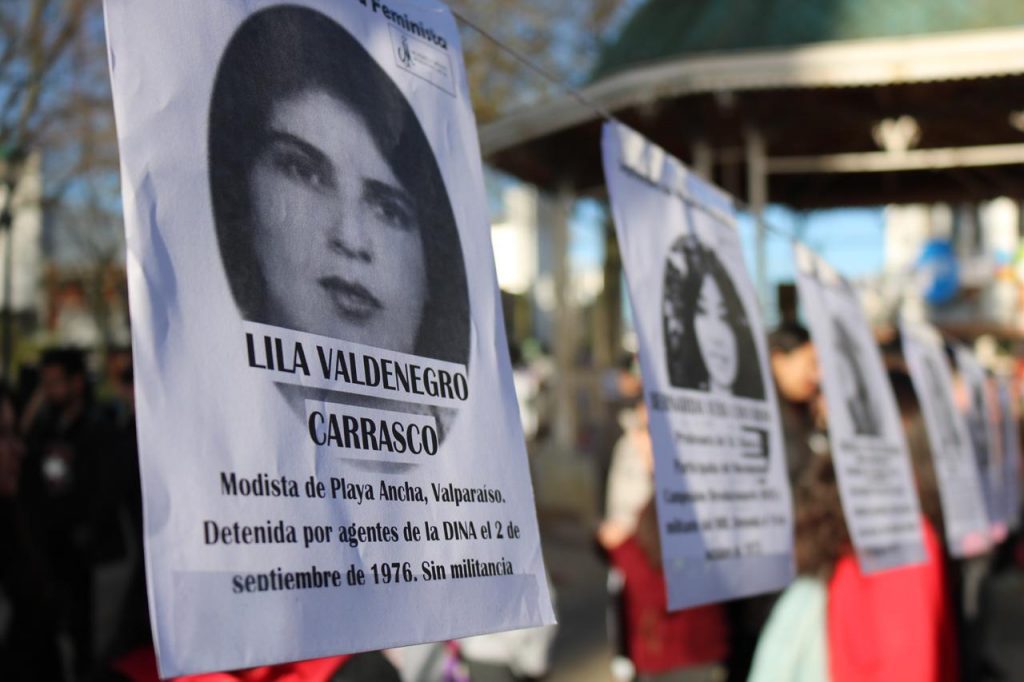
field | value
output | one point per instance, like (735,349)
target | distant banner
(869,449)
(721,490)
(331,454)
(982,412)
(960,491)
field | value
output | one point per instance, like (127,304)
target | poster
(869,449)
(960,492)
(1009,412)
(331,455)
(983,423)
(722,496)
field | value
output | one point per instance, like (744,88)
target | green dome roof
(662,29)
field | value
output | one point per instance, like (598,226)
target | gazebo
(806,103)
(825,102)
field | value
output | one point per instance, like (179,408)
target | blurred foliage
(564,38)
(55,97)
(55,93)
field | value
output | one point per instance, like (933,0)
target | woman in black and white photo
(940,397)
(858,398)
(977,424)
(709,342)
(331,213)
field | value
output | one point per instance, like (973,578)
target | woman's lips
(350,299)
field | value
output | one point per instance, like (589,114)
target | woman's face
(715,336)
(796,373)
(337,236)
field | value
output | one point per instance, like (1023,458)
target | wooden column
(757,199)
(564,324)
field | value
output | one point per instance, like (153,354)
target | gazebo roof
(665,29)
(813,78)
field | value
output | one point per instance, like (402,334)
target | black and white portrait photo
(331,214)
(977,423)
(706,375)
(857,398)
(709,341)
(946,418)
(314,314)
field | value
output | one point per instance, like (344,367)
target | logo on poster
(404,54)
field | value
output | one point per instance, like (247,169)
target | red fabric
(659,641)
(317,670)
(140,666)
(893,625)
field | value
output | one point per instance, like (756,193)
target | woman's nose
(349,237)
(721,331)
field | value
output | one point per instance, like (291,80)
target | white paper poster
(869,449)
(722,495)
(1010,415)
(960,492)
(983,423)
(331,455)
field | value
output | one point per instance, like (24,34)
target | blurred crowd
(73,601)
(72,585)
(926,622)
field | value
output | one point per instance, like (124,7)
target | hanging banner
(960,491)
(331,455)
(869,449)
(723,501)
(1009,413)
(983,423)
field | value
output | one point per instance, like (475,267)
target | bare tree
(55,99)
(563,38)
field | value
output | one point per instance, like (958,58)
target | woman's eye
(393,213)
(301,169)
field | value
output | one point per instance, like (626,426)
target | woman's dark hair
(920,449)
(788,337)
(282,52)
(819,524)
(689,262)
(862,411)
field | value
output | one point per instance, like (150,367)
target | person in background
(684,645)
(794,364)
(793,646)
(680,646)
(631,475)
(836,623)
(620,391)
(628,489)
(63,435)
(897,624)
(29,646)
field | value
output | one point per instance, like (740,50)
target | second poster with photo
(722,495)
